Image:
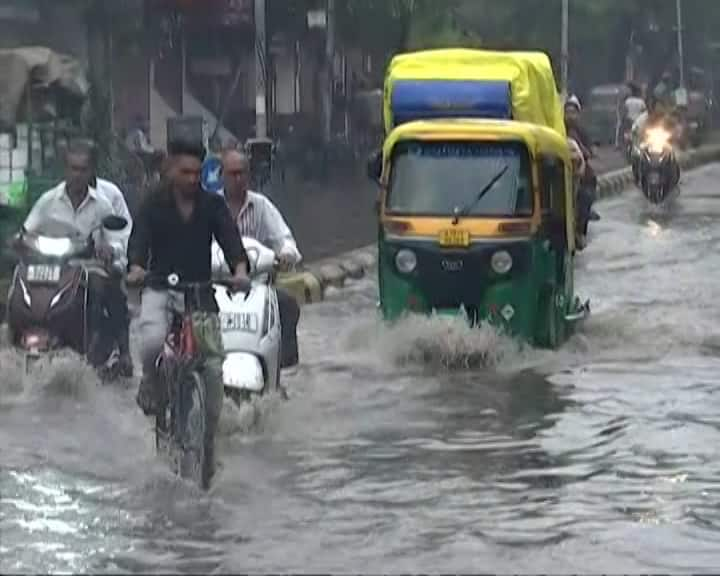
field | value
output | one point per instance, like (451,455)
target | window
(442,178)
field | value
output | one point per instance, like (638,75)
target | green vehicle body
(533,301)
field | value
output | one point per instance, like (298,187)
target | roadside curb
(309,287)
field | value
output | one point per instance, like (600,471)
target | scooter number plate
(43,274)
(654,178)
(239,322)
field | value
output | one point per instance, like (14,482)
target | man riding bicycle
(173,234)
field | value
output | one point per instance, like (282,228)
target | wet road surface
(391,455)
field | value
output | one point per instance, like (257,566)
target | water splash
(450,343)
(248,418)
(63,377)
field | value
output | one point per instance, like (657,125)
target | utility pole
(565,57)
(681,54)
(261,128)
(329,70)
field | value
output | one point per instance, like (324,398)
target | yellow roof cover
(535,97)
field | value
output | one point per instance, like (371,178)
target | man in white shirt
(258,218)
(75,204)
(633,107)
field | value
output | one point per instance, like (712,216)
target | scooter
(48,300)
(250,324)
(659,172)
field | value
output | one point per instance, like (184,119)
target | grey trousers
(154,323)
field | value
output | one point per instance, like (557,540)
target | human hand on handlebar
(240,279)
(136,276)
(104,253)
(285,261)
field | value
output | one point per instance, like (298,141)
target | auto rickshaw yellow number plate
(455,238)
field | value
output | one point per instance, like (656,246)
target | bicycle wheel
(192,430)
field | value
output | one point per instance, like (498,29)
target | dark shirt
(162,238)
(578,133)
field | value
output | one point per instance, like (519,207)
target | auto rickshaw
(477,209)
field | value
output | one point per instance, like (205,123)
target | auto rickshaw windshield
(441,178)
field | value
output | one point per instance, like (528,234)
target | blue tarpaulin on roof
(427,99)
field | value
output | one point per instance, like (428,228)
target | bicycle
(181,426)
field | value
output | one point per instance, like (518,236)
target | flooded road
(391,455)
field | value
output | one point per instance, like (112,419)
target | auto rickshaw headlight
(406,261)
(501,262)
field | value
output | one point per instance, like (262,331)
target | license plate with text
(43,274)
(239,322)
(455,238)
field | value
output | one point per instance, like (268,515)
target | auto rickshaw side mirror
(374,166)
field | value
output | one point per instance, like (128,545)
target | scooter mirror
(114,223)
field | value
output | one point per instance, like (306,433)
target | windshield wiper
(467,209)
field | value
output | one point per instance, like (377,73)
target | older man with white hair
(258,218)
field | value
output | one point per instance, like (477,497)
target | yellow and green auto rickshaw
(477,204)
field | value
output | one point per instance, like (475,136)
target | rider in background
(573,124)
(173,234)
(587,186)
(633,107)
(258,218)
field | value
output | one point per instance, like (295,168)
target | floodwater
(426,447)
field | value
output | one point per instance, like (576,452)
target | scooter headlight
(501,262)
(243,372)
(57,247)
(406,261)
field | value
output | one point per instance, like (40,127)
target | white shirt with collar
(261,220)
(55,205)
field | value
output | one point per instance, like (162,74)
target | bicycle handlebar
(173,282)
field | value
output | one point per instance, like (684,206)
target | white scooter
(250,324)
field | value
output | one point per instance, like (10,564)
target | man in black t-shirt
(173,234)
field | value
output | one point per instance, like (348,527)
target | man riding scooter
(656,117)
(258,218)
(76,204)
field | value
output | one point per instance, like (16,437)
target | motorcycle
(48,300)
(250,324)
(659,168)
